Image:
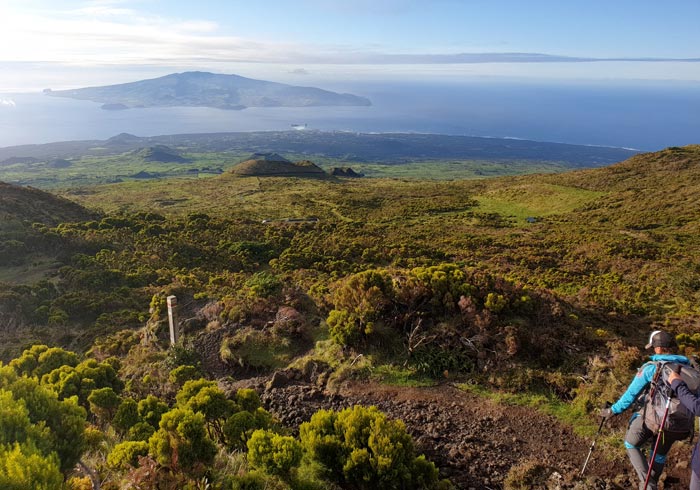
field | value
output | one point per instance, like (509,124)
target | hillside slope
(271,164)
(647,191)
(31,205)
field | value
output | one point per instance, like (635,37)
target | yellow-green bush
(273,453)
(361,447)
(126,454)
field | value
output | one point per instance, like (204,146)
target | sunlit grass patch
(533,200)
(394,375)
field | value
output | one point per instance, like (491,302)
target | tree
(238,429)
(54,358)
(247,399)
(190,389)
(40,359)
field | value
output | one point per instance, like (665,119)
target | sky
(55,42)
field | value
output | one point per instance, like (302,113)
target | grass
(33,270)
(548,404)
(451,170)
(98,170)
(93,170)
(390,374)
(258,350)
(534,199)
(609,442)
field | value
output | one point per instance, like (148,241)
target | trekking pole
(656,445)
(590,451)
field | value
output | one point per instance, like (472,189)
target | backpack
(679,419)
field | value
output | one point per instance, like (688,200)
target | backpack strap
(651,389)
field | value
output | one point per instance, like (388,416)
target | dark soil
(473,441)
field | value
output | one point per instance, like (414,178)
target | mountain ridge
(205,89)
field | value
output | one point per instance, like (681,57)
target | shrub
(273,453)
(126,454)
(29,360)
(127,415)
(61,422)
(151,409)
(263,284)
(240,426)
(23,467)
(359,302)
(439,287)
(103,403)
(184,373)
(54,358)
(255,349)
(247,399)
(182,355)
(82,379)
(360,447)
(141,432)
(181,442)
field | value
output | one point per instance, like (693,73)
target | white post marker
(172,320)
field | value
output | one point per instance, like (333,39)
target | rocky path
(473,441)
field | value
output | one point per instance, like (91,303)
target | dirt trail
(473,441)
(476,441)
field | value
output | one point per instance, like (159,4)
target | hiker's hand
(606,412)
(672,376)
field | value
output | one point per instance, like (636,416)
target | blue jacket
(644,376)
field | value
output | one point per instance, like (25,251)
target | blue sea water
(641,115)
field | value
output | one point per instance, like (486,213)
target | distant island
(203,89)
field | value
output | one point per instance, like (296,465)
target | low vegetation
(543,286)
(186,439)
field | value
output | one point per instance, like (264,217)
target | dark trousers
(695,467)
(638,434)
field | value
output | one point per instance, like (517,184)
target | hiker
(691,401)
(638,431)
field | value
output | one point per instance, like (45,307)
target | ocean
(641,115)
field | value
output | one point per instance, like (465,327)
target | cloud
(109,32)
(299,71)
(105,33)
(7,103)
(372,7)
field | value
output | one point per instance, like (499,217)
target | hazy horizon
(340,45)
(75,43)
